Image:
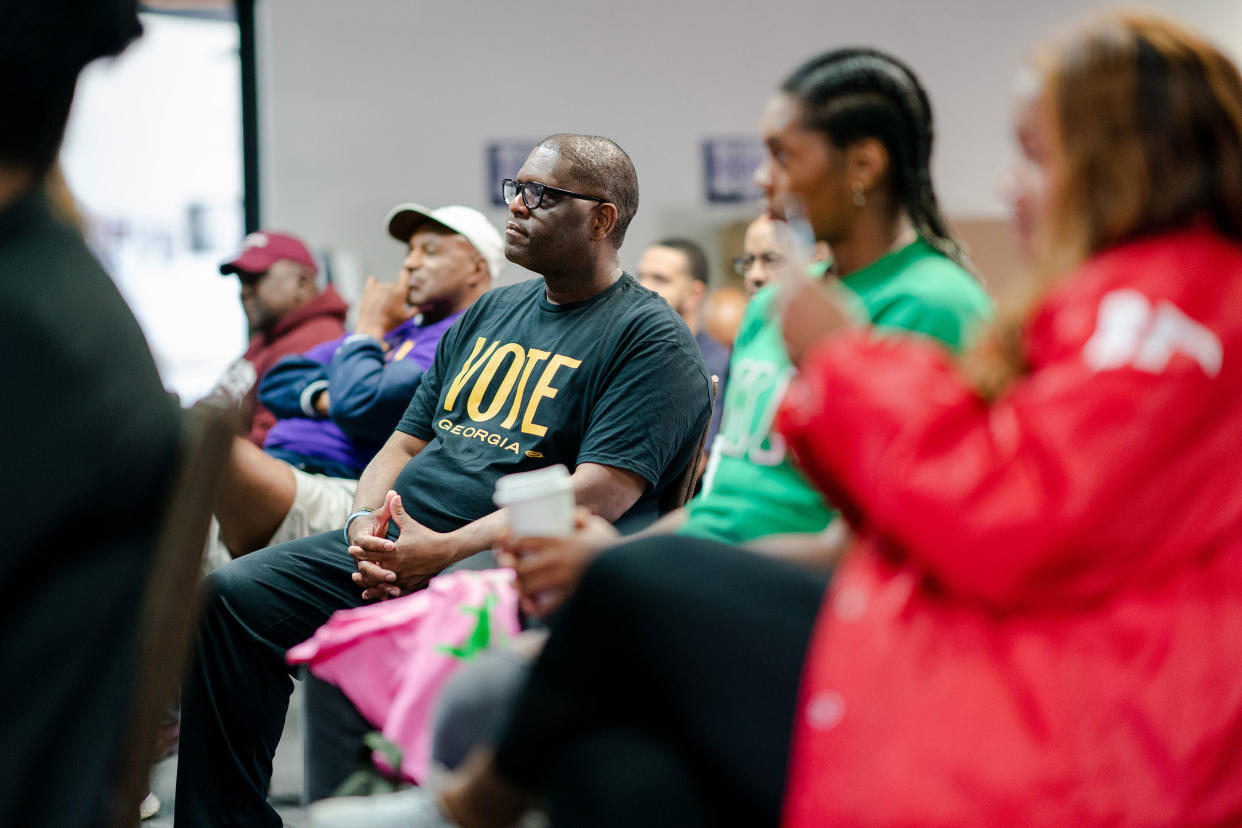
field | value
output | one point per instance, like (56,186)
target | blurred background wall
(366,103)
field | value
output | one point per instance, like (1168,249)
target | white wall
(370,102)
(152,133)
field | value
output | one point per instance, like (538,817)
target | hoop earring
(860,200)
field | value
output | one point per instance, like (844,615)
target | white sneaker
(409,808)
(149,807)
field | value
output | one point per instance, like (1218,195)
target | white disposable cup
(540,503)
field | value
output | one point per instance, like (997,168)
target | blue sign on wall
(504,159)
(729,166)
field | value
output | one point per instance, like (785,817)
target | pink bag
(392,657)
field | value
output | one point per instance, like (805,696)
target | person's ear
(479,274)
(695,294)
(603,221)
(866,165)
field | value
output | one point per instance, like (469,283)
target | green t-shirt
(751,489)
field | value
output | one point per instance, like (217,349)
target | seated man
(677,270)
(287,313)
(762,258)
(581,367)
(339,401)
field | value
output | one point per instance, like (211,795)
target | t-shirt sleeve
(653,407)
(419,413)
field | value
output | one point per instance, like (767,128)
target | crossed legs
(237,689)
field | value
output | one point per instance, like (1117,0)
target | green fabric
(918,289)
(751,489)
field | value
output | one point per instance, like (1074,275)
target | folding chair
(681,489)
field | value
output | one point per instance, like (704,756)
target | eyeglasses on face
(744,263)
(532,193)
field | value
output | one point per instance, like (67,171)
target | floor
(286,791)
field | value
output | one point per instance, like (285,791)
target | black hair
(601,168)
(43,46)
(695,256)
(852,94)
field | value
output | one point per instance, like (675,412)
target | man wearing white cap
(338,402)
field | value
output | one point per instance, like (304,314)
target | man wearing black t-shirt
(582,367)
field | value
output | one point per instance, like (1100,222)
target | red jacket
(1043,622)
(320,319)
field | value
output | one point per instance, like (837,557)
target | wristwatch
(363,511)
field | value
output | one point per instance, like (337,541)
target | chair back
(169,608)
(680,490)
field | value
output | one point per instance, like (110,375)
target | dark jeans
(237,690)
(332,738)
(666,692)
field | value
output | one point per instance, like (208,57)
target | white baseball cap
(404,219)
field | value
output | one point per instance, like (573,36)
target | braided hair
(852,94)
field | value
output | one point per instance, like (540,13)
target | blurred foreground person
(1042,621)
(88,446)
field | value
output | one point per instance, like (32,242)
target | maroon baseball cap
(261,249)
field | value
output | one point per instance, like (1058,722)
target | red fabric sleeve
(1015,502)
(305,336)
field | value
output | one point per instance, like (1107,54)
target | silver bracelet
(363,511)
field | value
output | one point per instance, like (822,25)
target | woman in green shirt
(850,139)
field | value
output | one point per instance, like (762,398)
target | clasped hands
(387,569)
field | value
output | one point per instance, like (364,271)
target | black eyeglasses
(769,259)
(532,193)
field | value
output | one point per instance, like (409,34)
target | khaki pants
(319,504)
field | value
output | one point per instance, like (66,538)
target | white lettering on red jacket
(1130,331)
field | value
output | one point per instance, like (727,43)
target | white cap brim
(404,219)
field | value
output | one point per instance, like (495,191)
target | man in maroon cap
(287,314)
